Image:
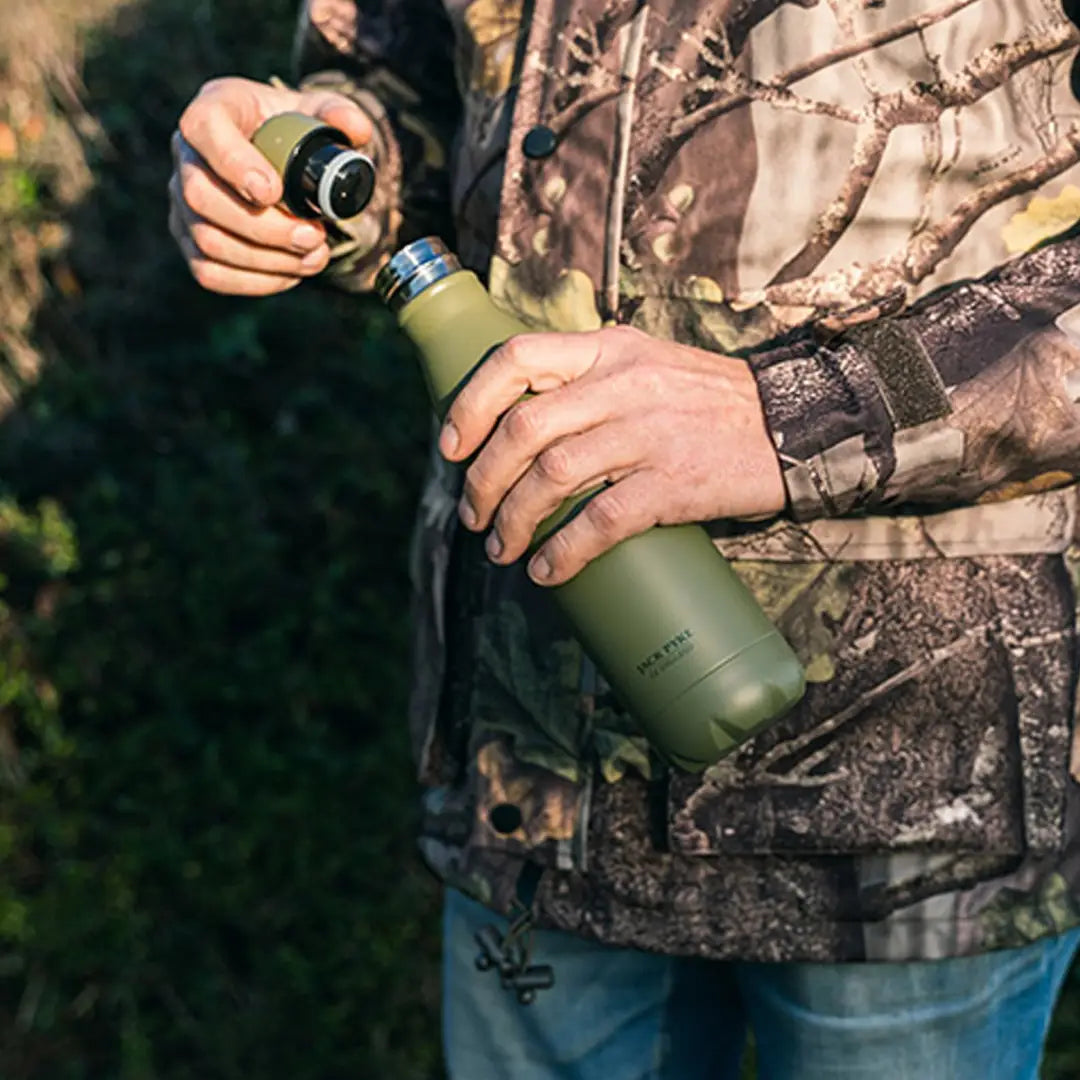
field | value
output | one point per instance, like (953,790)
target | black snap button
(539,142)
(505,818)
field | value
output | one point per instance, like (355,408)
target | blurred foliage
(207,820)
(207,865)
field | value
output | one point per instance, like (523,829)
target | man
(806,271)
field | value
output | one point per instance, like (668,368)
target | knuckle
(512,353)
(477,481)
(193,121)
(606,514)
(222,88)
(208,240)
(523,422)
(556,464)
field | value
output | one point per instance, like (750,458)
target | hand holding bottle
(676,433)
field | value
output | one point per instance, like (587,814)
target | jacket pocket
(938,718)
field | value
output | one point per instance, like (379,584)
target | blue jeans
(620,1014)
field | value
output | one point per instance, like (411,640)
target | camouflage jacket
(876,204)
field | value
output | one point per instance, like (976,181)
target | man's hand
(677,432)
(223,192)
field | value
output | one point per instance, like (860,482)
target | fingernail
(313,259)
(257,188)
(305,238)
(467,513)
(449,439)
(494,545)
(540,568)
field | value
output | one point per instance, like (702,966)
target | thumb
(218,124)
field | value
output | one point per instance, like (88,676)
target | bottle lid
(413,269)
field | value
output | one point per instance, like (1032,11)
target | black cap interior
(351,188)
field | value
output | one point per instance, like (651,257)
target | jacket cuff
(854,419)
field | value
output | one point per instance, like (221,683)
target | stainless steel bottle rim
(416,267)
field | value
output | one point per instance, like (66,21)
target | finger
(221,246)
(567,468)
(227,280)
(218,127)
(208,198)
(530,362)
(523,435)
(616,513)
(338,112)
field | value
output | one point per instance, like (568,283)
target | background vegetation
(206,809)
(207,863)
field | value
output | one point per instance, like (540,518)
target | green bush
(207,838)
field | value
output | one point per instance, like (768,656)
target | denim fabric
(619,1014)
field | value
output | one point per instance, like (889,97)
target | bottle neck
(413,270)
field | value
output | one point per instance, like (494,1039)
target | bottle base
(734,702)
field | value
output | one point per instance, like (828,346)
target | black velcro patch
(909,383)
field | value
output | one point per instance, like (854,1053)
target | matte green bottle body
(674,630)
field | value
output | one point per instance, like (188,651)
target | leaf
(1043,218)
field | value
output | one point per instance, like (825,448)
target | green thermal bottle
(675,632)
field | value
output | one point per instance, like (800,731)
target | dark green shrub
(207,804)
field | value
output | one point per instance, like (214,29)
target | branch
(682,128)
(924,252)
(683,60)
(921,103)
(886,36)
(736,91)
(580,107)
(781,98)
(843,12)
(623,130)
(871,142)
(932,246)
(791,747)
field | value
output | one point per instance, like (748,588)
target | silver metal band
(413,269)
(330,174)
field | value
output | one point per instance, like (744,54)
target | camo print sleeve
(395,59)
(969,396)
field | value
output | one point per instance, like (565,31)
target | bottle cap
(413,269)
